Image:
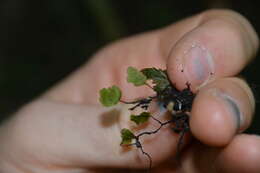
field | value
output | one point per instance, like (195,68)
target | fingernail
(234,109)
(198,65)
(231,105)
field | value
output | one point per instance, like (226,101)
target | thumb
(221,44)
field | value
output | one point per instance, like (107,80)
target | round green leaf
(142,118)
(110,96)
(126,136)
(159,78)
(135,76)
(154,74)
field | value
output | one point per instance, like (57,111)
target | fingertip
(242,155)
(220,45)
(221,109)
(210,121)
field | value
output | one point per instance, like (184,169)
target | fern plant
(177,102)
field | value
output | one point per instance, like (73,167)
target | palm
(112,66)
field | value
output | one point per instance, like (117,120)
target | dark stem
(149,157)
(138,143)
(143,103)
(156,130)
(138,101)
(180,141)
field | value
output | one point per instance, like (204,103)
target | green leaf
(161,85)
(135,76)
(126,136)
(110,96)
(159,78)
(154,74)
(142,118)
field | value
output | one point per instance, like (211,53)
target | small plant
(178,103)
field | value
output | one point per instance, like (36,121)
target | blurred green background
(43,41)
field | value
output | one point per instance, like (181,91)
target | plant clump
(177,102)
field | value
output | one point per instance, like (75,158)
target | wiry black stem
(180,141)
(149,157)
(143,103)
(156,130)
(139,100)
(181,106)
(138,143)
(181,121)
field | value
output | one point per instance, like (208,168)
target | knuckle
(226,19)
(227,13)
(234,22)
(242,83)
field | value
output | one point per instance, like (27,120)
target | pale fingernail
(198,65)
(232,107)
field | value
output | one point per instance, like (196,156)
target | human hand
(67,130)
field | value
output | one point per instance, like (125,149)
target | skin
(66,129)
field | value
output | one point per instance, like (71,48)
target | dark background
(43,41)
